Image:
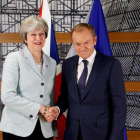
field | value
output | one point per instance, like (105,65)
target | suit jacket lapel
(74,76)
(31,62)
(45,64)
(97,66)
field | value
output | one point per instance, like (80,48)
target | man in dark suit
(92,90)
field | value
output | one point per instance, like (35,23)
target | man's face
(83,43)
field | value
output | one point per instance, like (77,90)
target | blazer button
(31,116)
(42,84)
(80,104)
(41,96)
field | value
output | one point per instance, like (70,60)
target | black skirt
(36,135)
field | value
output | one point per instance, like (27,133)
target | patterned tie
(82,80)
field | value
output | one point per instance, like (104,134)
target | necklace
(39,62)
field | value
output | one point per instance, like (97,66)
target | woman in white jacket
(27,87)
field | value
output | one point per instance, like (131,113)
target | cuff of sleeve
(58,113)
(33,114)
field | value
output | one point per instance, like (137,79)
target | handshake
(49,113)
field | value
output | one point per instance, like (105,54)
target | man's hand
(55,111)
(49,116)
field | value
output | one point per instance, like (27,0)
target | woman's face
(35,40)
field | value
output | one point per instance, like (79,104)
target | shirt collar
(89,59)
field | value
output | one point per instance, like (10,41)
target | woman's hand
(49,116)
(42,109)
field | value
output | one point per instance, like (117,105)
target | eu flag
(97,20)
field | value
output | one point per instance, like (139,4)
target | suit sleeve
(62,102)
(9,95)
(118,101)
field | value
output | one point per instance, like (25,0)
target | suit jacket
(101,112)
(24,89)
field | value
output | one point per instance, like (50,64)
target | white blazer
(24,89)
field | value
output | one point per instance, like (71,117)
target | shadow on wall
(1,107)
(1,104)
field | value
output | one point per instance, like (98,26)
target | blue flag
(97,20)
(53,47)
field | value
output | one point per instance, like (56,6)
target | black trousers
(36,135)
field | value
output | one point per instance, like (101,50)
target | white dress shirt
(89,65)
(40,65)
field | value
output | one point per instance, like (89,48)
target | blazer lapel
(96,68)
(45,64)
(74,75)
(31,62)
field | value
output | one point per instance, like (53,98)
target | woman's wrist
(43,109)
